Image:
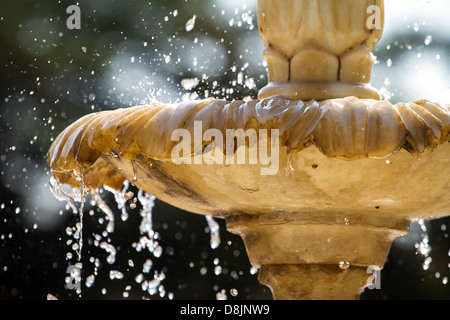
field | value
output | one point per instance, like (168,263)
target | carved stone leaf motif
(348,128)
(310,42)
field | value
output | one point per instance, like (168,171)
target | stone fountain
(358,171)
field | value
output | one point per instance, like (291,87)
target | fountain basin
(352,174)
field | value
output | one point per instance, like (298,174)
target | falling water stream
(148,243)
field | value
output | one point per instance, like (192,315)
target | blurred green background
(132,52)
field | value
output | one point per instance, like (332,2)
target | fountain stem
(320,49)
(313,282)
(314,258)
(317,50)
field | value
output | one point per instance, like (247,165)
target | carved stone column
(320,49)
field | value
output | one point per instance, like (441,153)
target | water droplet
(217,270)
(114,274)
(167,58)
(426,263)
(147,266)
(250,83)
(111,259)
(344,265)
(190,24)
(289,170)
(221,295)
(214,231)
(428,40)
(128,195)
(135,175)
(51,297)
(90,281)
(203,270)
(253,270)
(189,84)
(157,251)
(234,292)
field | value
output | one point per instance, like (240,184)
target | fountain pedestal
(307,259)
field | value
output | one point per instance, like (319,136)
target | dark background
(127,53)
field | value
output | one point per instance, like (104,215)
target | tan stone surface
(362,170)
(325,45)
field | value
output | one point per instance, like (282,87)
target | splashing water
(289,170)
(190,24)
(63,195)
(423,246)
(214,230)
(121,198)
(424,249)
(149,237)
(148,279)
(105,209)
(148,240)
(77,195)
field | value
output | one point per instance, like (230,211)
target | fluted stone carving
(320,49)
